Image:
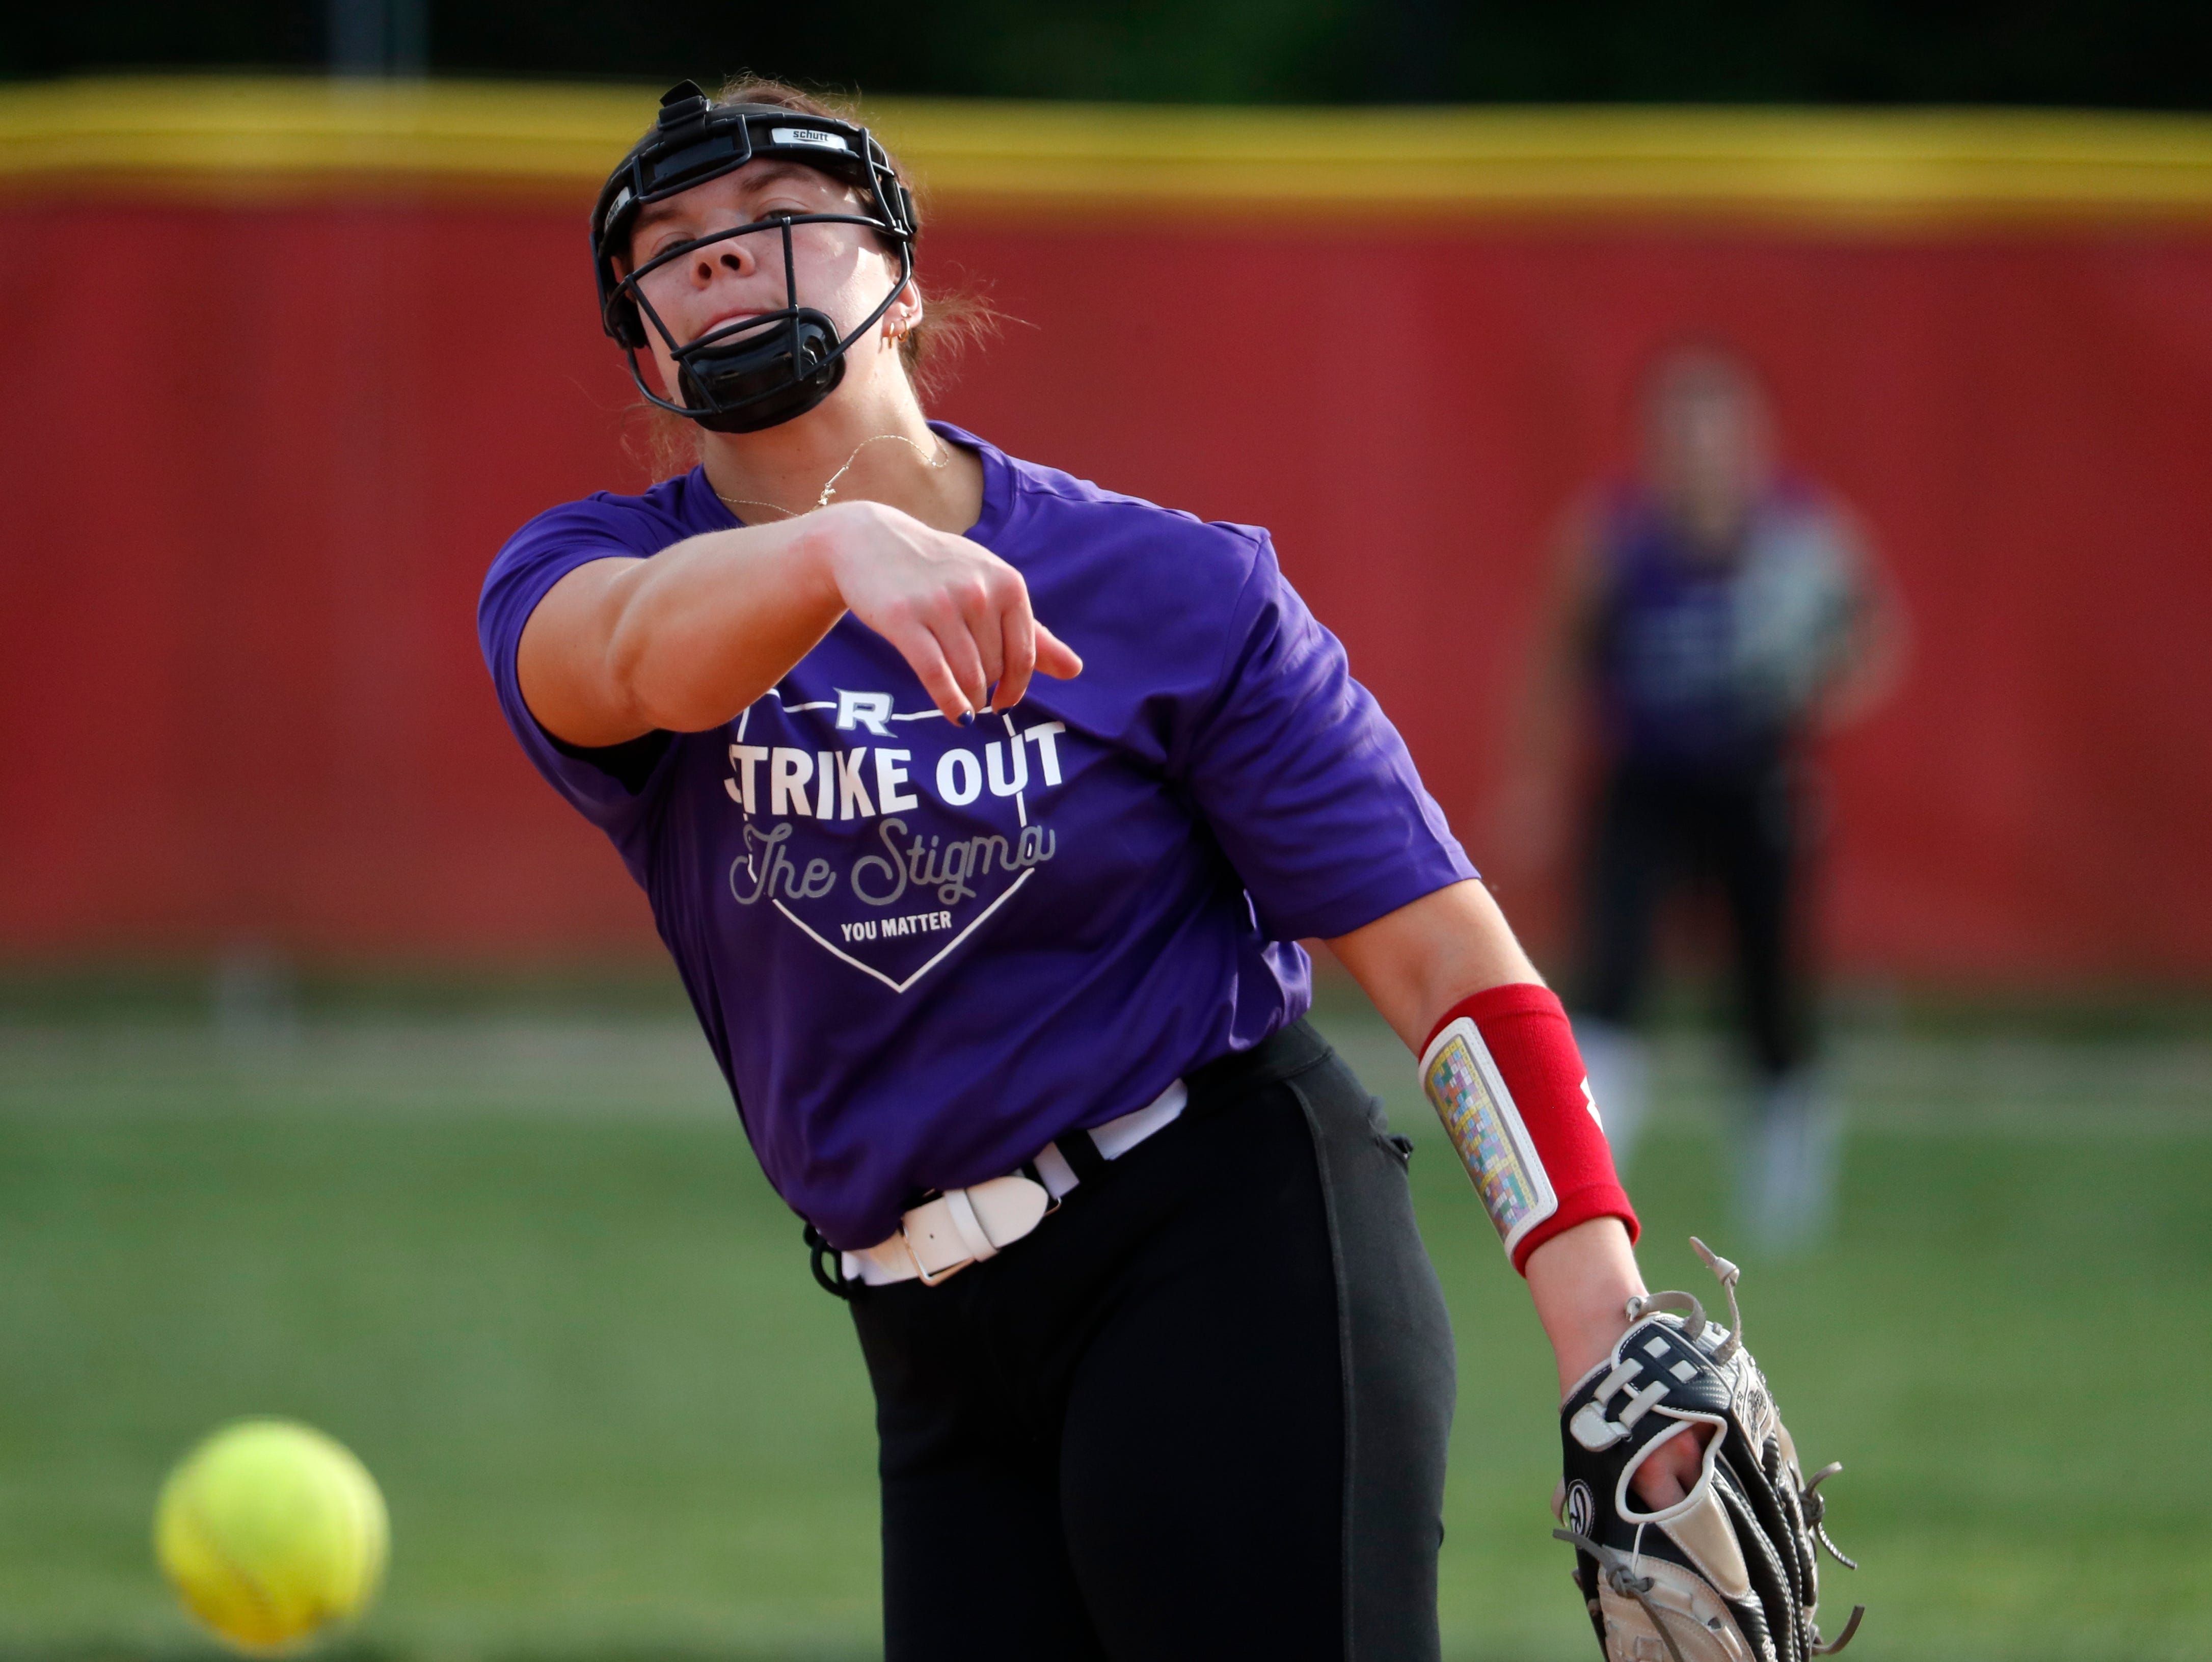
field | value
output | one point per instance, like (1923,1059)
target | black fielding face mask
(775,366)
(765,374)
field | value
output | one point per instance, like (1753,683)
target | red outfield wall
(256,457)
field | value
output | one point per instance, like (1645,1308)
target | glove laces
(1619,1573)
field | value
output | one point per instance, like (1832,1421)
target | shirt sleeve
(1306,785)
(614,789)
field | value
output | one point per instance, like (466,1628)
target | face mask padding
(762,376)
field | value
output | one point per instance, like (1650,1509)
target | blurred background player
(1714,615)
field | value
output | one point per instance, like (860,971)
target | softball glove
(1725,1575)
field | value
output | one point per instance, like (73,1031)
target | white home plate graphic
(901,986)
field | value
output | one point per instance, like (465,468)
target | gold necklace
(829,489)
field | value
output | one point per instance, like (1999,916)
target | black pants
(1737,831)
(1201,1412)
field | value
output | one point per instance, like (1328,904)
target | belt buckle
(915,1258)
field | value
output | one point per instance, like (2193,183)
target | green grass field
(527,1268)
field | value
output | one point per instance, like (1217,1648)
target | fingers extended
(955,641)
(1054,657)
(1018,651)
(983,609)
(918,645)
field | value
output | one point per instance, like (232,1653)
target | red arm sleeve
(1512,1089)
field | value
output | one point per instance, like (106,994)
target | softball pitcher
(980,809)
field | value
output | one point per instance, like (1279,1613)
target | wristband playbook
(1464,1086)
(1502,1073)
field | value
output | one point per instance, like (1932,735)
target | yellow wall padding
(280,136)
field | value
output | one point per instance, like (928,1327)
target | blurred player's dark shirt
(1709,663)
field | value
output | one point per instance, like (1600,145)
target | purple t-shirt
(922,951)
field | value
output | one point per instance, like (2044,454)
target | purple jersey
(921,950)
(1711,660)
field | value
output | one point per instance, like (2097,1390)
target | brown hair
(952,320)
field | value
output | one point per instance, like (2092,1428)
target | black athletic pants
(1737,831)
(1201,1412)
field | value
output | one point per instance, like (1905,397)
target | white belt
(961,1226)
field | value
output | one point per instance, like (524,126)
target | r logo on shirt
(871,711)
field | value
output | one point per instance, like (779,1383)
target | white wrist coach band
(961,1226)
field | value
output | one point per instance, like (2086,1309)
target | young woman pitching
(981,809)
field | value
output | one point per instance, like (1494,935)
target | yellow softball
(272,1532)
